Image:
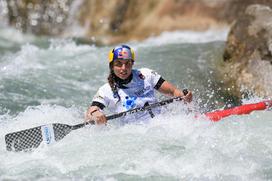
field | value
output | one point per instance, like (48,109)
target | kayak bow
(243,109)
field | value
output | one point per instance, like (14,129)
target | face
(122,68)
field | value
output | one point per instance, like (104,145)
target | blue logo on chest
(129,102)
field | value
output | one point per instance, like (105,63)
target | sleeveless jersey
(139,91)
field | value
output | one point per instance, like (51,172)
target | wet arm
(169,89)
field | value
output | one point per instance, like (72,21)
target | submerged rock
(248,53)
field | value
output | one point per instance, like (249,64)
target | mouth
(123,73)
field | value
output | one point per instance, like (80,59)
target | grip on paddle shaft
(185,91)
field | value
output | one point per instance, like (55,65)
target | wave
(189,37)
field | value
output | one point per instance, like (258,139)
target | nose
(123,66)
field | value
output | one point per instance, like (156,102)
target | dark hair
(112,83)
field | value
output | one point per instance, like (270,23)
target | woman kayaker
(128,88)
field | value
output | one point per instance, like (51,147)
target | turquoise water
(44,80)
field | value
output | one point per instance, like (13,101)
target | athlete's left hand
(188,97)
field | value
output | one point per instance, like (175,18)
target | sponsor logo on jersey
(142,91)
(154,73)
(141,76)
(98,97)
(129,102)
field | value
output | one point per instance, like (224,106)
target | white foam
(172,145)
(189,37)
(14,36)
(22,61)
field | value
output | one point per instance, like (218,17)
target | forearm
(170,90)
(177,93)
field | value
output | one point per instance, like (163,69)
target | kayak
(238,110)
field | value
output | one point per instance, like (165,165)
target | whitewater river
(46,80)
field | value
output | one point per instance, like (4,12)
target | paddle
(50,133)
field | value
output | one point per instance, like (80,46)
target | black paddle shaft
(133,111)
(33,137)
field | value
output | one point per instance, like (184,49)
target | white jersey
(139,91)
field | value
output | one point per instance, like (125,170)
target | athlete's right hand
(96,115)
(99,117)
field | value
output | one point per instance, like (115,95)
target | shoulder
(105,89)
(148,72)
(142,74)
(150,75)
(103,94)
(145,70)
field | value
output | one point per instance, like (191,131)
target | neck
(121,82)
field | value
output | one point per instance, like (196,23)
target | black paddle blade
(61,130)
(31,138)
(23,140)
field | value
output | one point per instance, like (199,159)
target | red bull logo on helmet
(122,52)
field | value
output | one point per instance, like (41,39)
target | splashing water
(53,81)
